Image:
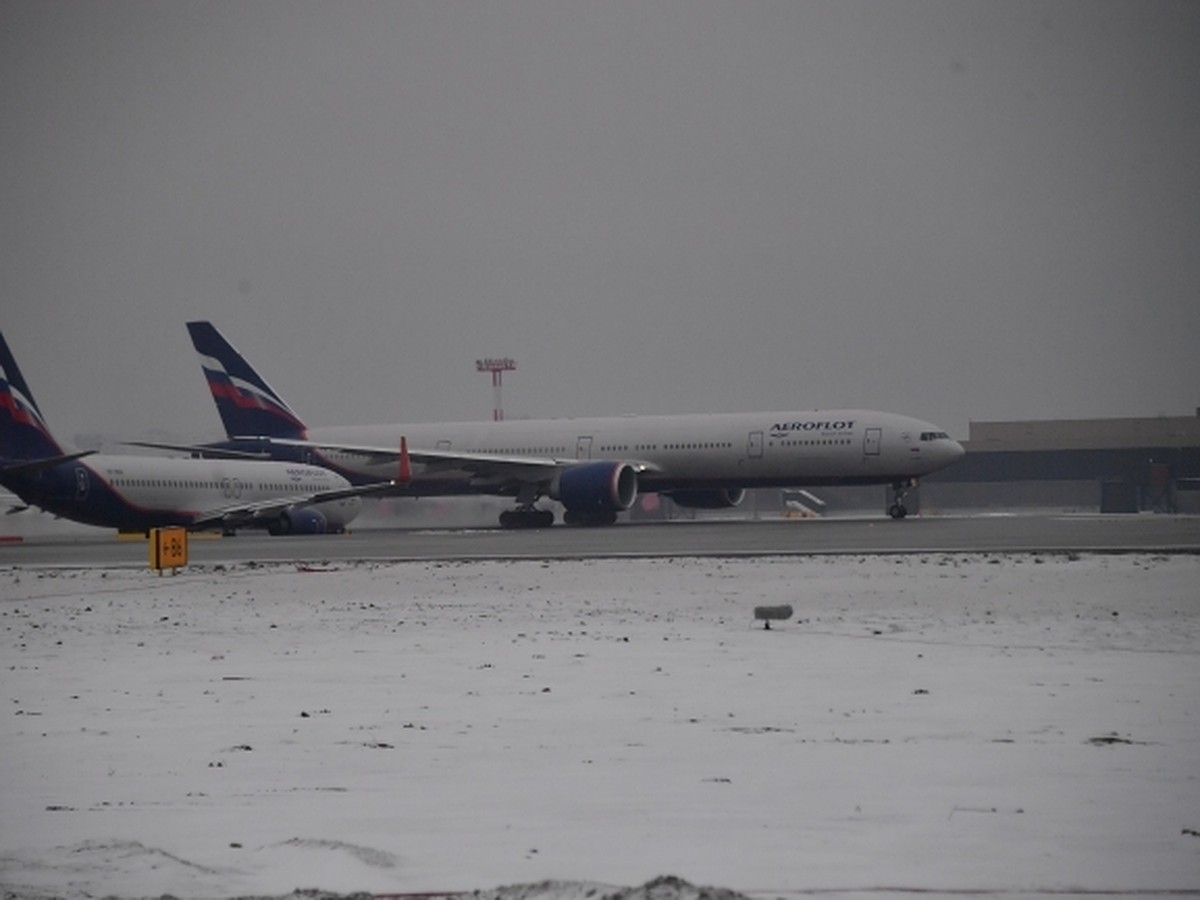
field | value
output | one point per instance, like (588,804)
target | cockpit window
(934,436)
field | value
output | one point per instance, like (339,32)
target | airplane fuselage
(594,467)
(135,493)
(680,452)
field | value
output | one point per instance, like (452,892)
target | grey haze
(957,210)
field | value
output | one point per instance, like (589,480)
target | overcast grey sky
(959,210)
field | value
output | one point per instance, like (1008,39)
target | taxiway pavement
(727,537)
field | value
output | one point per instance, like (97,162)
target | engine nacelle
(596,489)
(717,498)
(301,520)
(330,517)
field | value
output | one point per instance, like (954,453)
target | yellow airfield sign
(168,548)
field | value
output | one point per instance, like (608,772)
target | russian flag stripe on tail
(23,431)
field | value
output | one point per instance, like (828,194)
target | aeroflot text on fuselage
(785,427)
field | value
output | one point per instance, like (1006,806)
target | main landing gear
(600,517)
(529,517)
(899,490)
(526,517)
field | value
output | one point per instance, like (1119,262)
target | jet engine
(302,520)
(593,493)
(325,518)
(717,498)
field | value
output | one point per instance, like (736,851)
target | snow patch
(937,723)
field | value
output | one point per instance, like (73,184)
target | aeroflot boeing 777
(136,493)
(595,467)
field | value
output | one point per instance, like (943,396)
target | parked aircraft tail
(23,432)
(247,405)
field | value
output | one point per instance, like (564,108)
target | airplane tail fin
(246,403)
(23,432)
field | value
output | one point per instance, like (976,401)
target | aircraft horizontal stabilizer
(32,466)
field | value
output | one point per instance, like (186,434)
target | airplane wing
(32,466)
(205,450)
(249,514)
(517,468)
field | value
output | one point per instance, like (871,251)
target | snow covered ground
(923,723)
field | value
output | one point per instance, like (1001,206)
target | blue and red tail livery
(247,405)
(136,493)
(23,431)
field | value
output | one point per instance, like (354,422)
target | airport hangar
(1106,465)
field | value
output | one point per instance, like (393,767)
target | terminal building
(1104,465)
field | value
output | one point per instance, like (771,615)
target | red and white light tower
(497,367)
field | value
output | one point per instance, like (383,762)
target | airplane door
(583,447)
(754,445)
(871,440)
(81,483)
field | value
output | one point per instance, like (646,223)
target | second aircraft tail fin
(246,403)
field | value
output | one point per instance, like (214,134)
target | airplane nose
(956,451)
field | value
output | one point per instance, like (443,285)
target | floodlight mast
(497,367)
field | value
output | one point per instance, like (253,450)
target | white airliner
(595,467)
(136,493)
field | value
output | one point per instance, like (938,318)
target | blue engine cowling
(302,520)
(328,517)
(718,498)
(596,490)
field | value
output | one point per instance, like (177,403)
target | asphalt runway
(725,537)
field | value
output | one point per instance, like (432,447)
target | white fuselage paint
(198,486)
(682,451)
(120,489)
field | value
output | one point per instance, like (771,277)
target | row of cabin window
(625,448)
(717,445)
(531,451)
(606,448)
(826,443)
(205,485)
